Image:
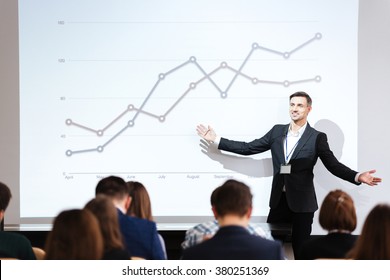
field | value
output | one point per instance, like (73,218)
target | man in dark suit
(295,148)
(232,207)
(140,235)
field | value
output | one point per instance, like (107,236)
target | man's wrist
(357,177)
(217,140)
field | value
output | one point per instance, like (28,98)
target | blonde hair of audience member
(107,215)
(374,240)
(75,235)
(140,201)
(338,213)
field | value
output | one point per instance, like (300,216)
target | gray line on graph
(192,86)
(147,113)
(317,36)
(146,100)
(70,122)
(115,120)
(224,95)
(113,137)
(208,76)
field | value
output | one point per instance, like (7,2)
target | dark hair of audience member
(374,240)
(5,197)
(140,201)
(236,198)
(75,235)
(106,213)
(338,212)
(112,186)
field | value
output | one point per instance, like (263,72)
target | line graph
(207,76)
(117,88)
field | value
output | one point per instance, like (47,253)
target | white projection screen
(97,88)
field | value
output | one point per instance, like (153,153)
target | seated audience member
(207,229)
(232,208)
(12,245)
(141,206)
(75,236)
(337,216)
(140,235)
(140,201)
(107,215)
(373,242)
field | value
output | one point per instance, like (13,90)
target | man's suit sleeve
(248,148)
(330,161)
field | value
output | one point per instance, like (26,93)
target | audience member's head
(140,201)
(374,240)
(107,215)
(338,212)
(232,199)
(75,235)
(5,197)
(116,189)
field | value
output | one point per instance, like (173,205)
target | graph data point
(224,94)
(317,79)
(68,153)
(130,107)
(286,83)
(192,58)
(130,123)
(192,85)
(224,64)
(255,80)
(68,122)
(100,149)
(318,36)
(286,55)
(161,118)
(161,76)
(255,46)
(100,132)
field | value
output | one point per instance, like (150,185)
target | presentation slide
(117,87)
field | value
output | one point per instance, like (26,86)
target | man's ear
(214,212)
(1,215)
(249,213)
(128,202)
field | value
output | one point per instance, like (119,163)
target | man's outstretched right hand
(207,133)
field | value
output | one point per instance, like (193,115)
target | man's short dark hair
(233,197)
(5,196)
(302,94)
(112,186)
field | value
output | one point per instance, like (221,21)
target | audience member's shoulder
(142,222)
(17,245)
(17,238)
(264,242)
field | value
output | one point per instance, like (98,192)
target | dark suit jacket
(141,237)
(235,243)
(299,184)
(333,245)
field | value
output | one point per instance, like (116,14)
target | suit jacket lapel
(305,136)
(282,157)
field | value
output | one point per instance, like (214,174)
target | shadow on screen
(257,168)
